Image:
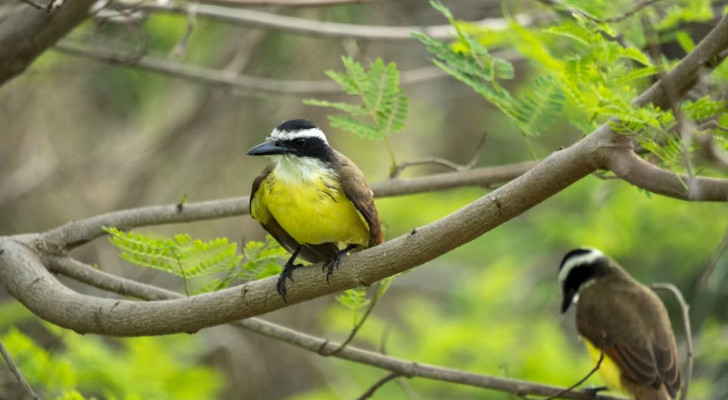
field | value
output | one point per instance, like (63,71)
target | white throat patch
(288,135)
(576,261)
(299,169)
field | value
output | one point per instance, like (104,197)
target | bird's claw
(286,273)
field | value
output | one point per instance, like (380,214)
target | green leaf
(262,259)
(634,54)
(384,104)
(703,108)
(639,73)
(573,32)
(540,106)
(358,128)
(182,256)
(723,121)
(685,41)
(354,299)
(353,109)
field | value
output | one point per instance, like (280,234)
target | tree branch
(633,169)
(231,79)
(76,233)
(91,276)
(685,309)
(288,3)
(370,392)
(320,28)
(16,372)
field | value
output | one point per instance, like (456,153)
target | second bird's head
(295,138)
(579,269)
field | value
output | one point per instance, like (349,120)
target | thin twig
(359,324)
(288,3)
(712,151)
(370,392)
(569,11)
(180,49)
(18,375)
(582,380)
(396,171)
(53,5)
(717,254)
(229,79)
(685,308)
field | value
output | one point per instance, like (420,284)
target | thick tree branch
(86,274)
(25,33)
(633,169)
(228,79)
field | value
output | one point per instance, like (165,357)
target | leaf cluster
(383,103)
(585,72)
(188,258)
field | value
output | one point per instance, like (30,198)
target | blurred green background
(80,138)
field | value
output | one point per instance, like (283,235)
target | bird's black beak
(268,148)
(568,299)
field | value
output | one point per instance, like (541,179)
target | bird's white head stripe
(576,261)
(288,135)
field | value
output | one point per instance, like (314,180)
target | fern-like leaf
(541,105)
(182,256)
(358,128)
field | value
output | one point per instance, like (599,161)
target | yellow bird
(312,199)
(624,321)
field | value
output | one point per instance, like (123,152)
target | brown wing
(632,325)
(356,189)
(310,253)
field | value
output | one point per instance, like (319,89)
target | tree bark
(26,32)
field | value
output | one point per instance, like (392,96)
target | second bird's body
(624,325)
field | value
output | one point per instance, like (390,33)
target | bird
(312,199)
(623,323)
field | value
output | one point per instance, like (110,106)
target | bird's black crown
(296,125)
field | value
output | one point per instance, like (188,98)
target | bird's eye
(299,142)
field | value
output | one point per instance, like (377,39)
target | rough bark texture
(26,32)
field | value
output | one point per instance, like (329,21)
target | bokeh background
(81,137)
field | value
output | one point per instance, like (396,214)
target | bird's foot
(286,273)
(335,260)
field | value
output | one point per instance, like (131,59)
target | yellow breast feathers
(608,370)
(309,204)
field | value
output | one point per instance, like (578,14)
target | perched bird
(623,321)
(312,198)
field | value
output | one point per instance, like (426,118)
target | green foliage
(540,106)
(180,256)
(190,259)
(583,72)
(356,299)
(262,259)
(132,369)
(704,108)
(384,106)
